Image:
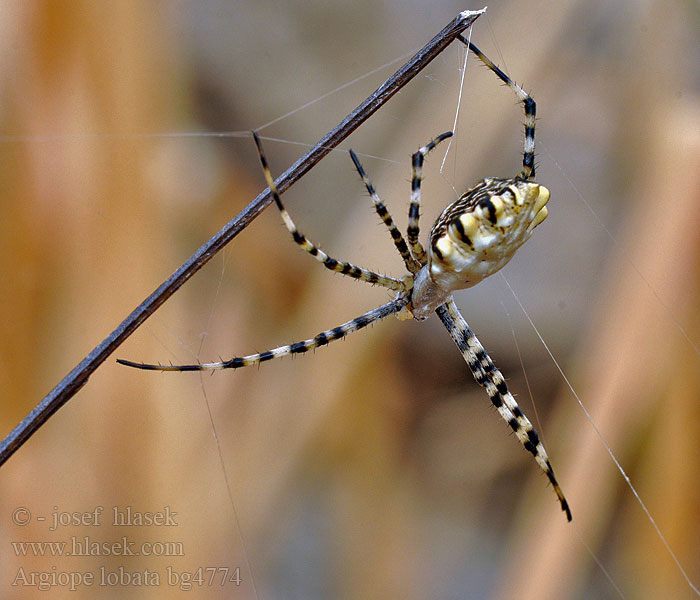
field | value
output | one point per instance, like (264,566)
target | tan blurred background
(374,468)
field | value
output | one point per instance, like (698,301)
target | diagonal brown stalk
(78,377)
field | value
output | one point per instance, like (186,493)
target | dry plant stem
(77,378)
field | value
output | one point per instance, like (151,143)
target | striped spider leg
(474,237)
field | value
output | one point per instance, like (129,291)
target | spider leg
(528,171)
(321,339)
(414,208)
(411,263)
(338,266)
(491,379)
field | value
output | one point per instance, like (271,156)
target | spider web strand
(607,447)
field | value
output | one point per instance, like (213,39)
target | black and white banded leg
(322,339)
(411,263)
(491,379)
(528,171)
(414,208)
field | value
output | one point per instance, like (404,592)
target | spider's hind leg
(492,380)
(338,266)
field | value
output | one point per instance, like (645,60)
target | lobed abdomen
(478,234)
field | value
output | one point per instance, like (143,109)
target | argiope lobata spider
(474,237)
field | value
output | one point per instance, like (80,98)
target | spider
(474,237)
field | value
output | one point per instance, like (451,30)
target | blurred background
(375,467)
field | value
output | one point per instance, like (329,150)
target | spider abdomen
(478,234)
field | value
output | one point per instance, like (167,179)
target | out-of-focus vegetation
(374,468)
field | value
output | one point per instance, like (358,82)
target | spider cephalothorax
(473,238)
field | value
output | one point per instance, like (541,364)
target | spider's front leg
(414,208)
